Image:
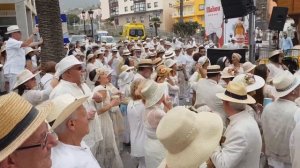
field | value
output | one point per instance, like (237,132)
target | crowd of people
(166,100)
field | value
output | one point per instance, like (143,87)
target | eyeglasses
(43,144)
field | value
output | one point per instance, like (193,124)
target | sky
(71,4)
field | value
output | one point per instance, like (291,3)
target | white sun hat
(236,92)
(168,54)
(285,83)
(252,82)
(202,60)
(213,69)
(24,76)
(152,92)
(64,106)
(170,62)
(191,141)
(28,50)
(125,68)
(66,63)
(90,56)
(248,66)
(225,73)
(13,29)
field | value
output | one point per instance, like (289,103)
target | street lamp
(91,17)
(83,17)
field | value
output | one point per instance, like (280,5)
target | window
(132,8)
(149,5)
(142,19)
(126,9)
(136,32)
(201,7)
(155,4)
(139,7)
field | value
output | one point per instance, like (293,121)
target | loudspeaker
(278,18)
(237,8)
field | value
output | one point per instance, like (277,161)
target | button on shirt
(15,59)
(69,156)
(242,146)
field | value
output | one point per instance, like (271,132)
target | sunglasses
(44,142)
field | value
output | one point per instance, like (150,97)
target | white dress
(154,150)
(107,153)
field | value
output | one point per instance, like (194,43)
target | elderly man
(278,120)
(70,70)
(25,138)
(71,125)
(242,145)
(205,92)
(15,59)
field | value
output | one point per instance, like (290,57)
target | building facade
(16,12)
(140,11)
(193,11)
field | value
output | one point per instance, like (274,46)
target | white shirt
(115,64)
(46,81)
(15,59)
(295,143)
(189,64)
(135,114)
(36,97)
(242,146)
(274,70)
(181,59)
(69,156)
(138,76)
(99,64)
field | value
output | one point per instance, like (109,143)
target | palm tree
(50,28)
(181,11)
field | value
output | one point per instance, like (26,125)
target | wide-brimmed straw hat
(66,63)
(64,106)
(212,69)
(125,68)
(169,54)
(252,82)
(236,92)
(163,71)
(170,62)
(13,29)
(24,76)
(19,120)
(285,83)
(191,141)
(145,63)
(275,52)
(248,66)
(225,73)
(152,92)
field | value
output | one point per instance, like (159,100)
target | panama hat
(275,52)
(236,92)
(168,43)
(177,47)
(114,49)
(158,61)
(248,66)
(66,63)
(285,83)
(13,29)
(28,50)
(151,54)
(170,62)
(125,68)
(19,120)
(160,49)
(145,63)
(24,76)
(168,54)
(213,69)
(189,47)
(252,82)
(98,52)
(225,73)
(64,106)
(152,92)
(192,140)
(90,56)
(126,53)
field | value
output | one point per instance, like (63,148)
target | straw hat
(170,62)
(19,120)
(225,73)
(28,50)
(90,56)
(191,141)
(64,106)
(98,52)
(66,63)
(168,54)
(125,68)
(158,61)
(189,47)
(13,29)
(248,66)
(160,49)
(163,71)
(202,60)
(3,48)
(236,92)
(168,43)
(177,47)
(151,54)
(24,76)
(126,53)
(275,52)
(145,63)
(285,83)
(152,92)
(252,82)
(213,69)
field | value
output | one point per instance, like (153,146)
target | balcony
(185,14)
(185,3)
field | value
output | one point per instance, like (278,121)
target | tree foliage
(185,29)
(72,18)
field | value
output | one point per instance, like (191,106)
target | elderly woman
(135,114)
(107,153)
(154,98)
(236,66)
(26,85)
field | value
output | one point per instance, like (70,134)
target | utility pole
(181,11)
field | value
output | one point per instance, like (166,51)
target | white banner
(213,17)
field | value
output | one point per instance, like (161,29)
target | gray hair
(62,128)
(237,106)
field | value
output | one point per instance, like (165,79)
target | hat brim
(251,69)
(13,31)
(259,83)
(68,111)
(44,110)
(249,100)
(202,147)
(25,80)
(68,67)
(226,76)
(282,94)
(155,97)
(145,66)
